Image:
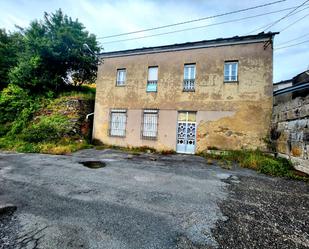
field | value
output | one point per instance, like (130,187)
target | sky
(110,17)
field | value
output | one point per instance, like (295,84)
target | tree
(54,49)
(10,44)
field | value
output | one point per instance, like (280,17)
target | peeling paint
(242,109)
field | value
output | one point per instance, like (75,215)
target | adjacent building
(187,97)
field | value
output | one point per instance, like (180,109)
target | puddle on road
(93,164)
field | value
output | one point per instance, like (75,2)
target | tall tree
(55,48)
(10,45)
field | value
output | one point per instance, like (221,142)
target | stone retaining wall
(290,129)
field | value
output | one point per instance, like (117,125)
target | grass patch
(256,160)
(130,149)
(82,92)
(60,147)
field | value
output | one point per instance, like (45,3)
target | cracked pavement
(146,201)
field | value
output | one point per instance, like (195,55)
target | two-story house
(187,97)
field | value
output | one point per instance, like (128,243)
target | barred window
(121,77)
(230,71)
(152,81)
(118,121)
(189,78)
(150,124)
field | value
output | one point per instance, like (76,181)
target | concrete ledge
(298,163)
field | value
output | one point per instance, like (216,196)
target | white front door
(186,132)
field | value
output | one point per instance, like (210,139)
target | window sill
(230,81)
(151,91)
(117,136)
(149,138)
(184,90)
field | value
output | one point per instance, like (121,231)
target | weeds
(49,128)
(84,92)
(41,124)
(61,147)
(256,160)
(131,149)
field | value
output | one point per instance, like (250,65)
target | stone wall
(76,110)
(290,129)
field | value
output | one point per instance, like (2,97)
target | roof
(290,89)
(261,37)
(299,78)
(283,82)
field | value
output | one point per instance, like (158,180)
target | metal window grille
(121,77)
(152,85)
(150,124)
(230,71)
(189,78)
(189,85)
(118,119)
(152,79)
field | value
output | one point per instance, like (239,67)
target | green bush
(23,119)
(7,143)
(13,100)
(5,128)
(16,109)
(49,128)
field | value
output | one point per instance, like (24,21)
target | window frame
(185,81)
(152,81)
(117,110)
(125,77)
(149,137)
(230,80)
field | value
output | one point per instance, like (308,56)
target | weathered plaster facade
(228,115)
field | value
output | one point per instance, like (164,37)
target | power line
(294,22)
(195,20)
(255,30)
(292,45)
(287,15)
(297,38)
(198,27)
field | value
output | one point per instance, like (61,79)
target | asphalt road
(146,201)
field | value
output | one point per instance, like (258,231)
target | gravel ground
(8,230)
(264,212)
(146,201)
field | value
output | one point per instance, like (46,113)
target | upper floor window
(152,81)
(121,77)
(150,124)
(189,78)
(231,71)
(118,120)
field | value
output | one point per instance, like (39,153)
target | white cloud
(109,17)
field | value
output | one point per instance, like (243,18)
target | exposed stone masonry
(290,130)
